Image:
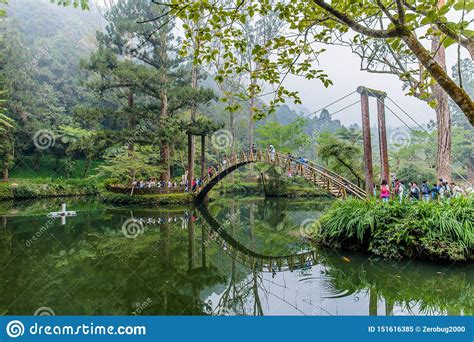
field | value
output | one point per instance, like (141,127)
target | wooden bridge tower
(368,164)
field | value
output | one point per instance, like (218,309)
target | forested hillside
(88,92)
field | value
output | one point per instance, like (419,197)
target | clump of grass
(437,230)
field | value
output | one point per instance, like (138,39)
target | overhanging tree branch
(347,20)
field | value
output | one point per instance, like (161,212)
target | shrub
(437,229)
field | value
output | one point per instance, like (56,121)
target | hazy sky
(343,68)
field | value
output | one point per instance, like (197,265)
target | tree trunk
(190,176)
(203,156)
(373,299)
(443,118)
(443,157)
(191,237)
(250,128)
(131,123)
(87,165)
(8,157)
(204,241)
(388,307)
(232,131)
(457,94)
(165,146)
(232,141)
(133,181)
(36,165)
(191,144)
(5,173)
(470,171)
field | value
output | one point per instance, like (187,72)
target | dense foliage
(400,26)
(116,80)
(437,230)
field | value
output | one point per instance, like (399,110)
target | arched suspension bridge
(313,173)
(318,175)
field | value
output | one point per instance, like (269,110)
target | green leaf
(448,42)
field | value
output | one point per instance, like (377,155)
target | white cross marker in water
(62,214)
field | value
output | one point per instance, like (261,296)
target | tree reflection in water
(179,267)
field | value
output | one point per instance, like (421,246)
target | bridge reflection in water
(252,259)
(241,257)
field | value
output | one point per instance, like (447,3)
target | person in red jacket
(384,191)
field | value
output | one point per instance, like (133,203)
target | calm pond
(238,257)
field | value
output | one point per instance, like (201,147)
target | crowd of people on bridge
(152,183)
(441,189)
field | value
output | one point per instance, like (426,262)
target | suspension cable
(426,131)
(329,105)
(398,106)
(412,130)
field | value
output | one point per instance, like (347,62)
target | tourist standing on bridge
(272,152)
(414,192)
(396,187)
(457,191)
(384,191)
(224,162)
(425,191)
(434,191)
(184,177)
(198,183)
(401,191)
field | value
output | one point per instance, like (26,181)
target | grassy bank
(43,188)
(180,198)
(22,189)
(50,168)
(434,230)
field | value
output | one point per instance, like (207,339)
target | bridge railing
(333,177)
(330,175)
(354,188)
